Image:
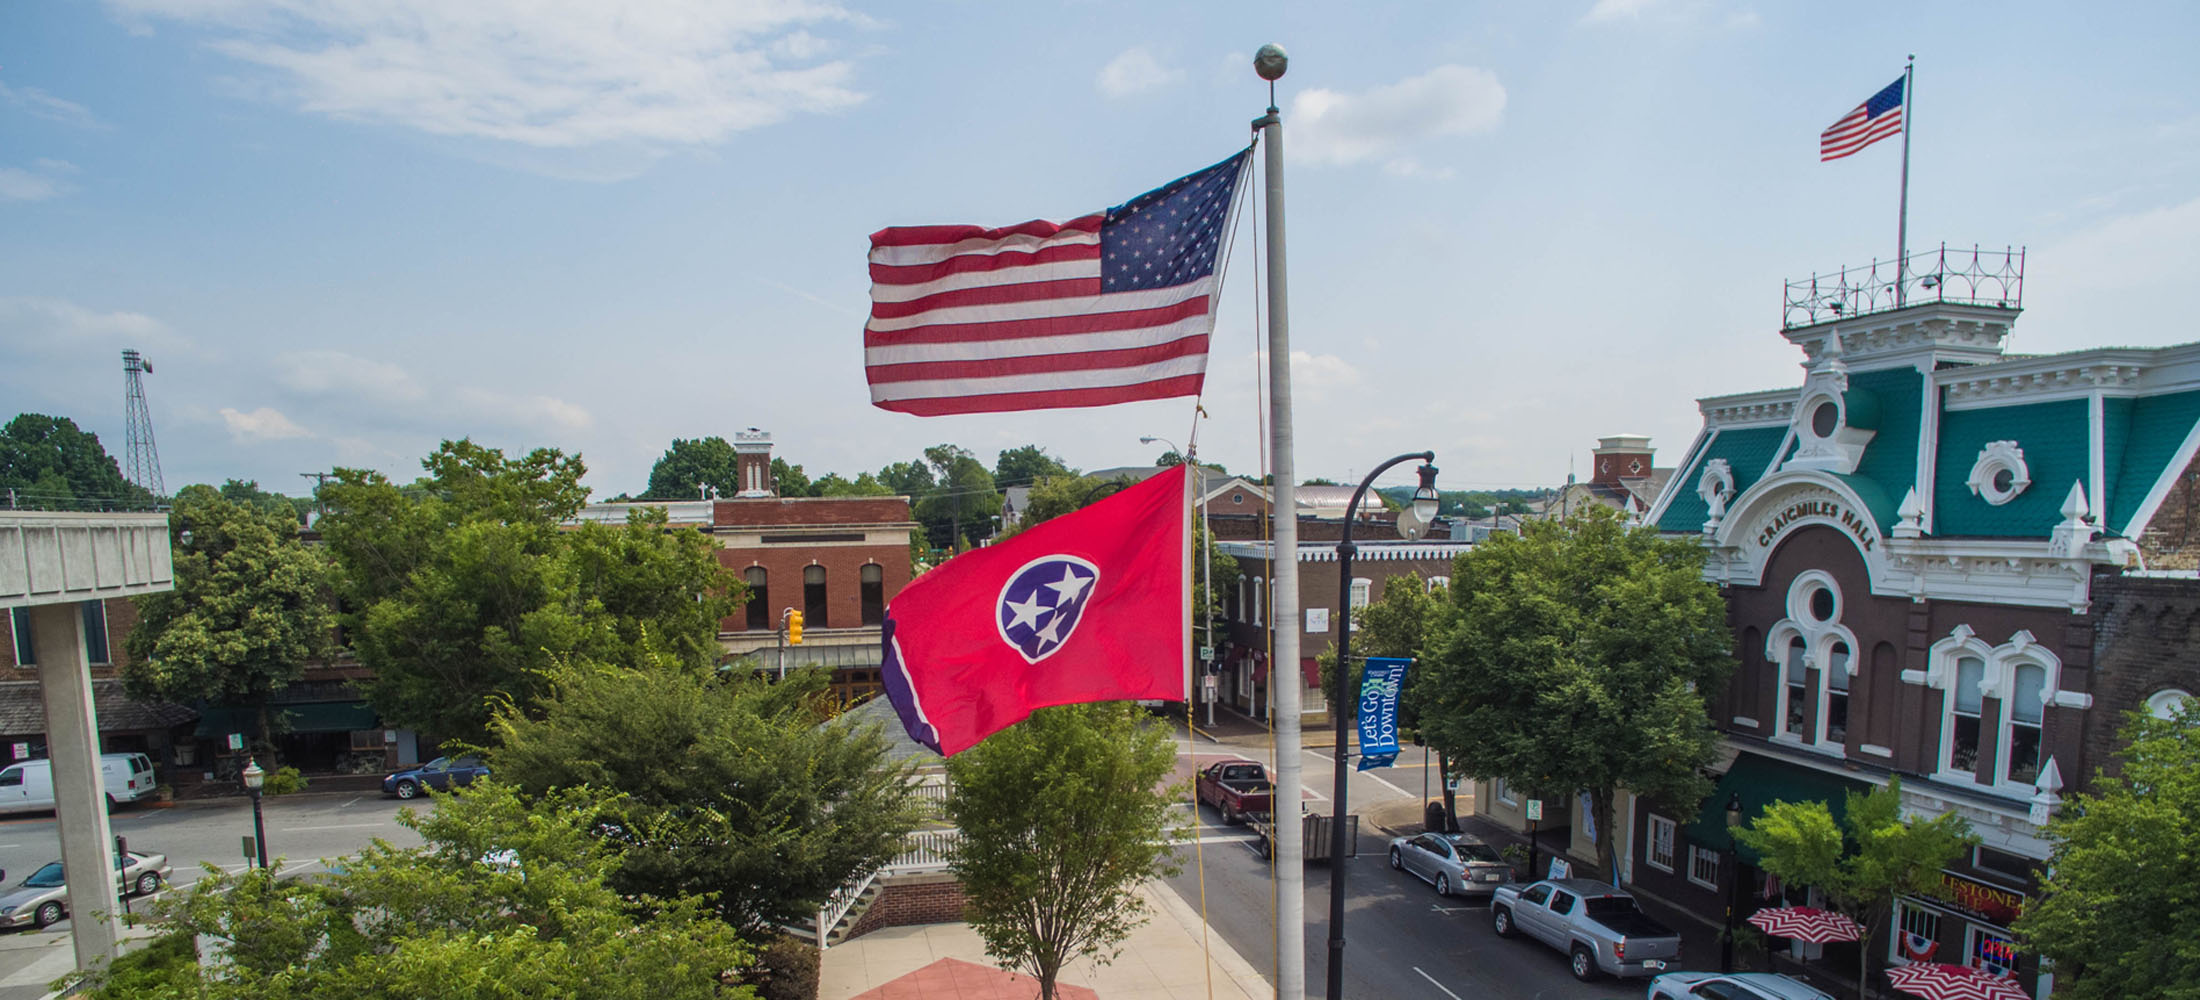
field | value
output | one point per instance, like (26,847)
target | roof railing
(1974,277)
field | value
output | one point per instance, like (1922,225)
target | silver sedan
(42,898)
(1457,864)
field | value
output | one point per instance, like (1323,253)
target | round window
(2005,480)
(1821,604)
(1825,419)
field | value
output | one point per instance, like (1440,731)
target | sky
(345,231)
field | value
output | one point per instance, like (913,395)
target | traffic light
(794,627)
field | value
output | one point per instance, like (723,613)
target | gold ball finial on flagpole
(1270,62)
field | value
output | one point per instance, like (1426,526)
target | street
(1402,940)
(301,829)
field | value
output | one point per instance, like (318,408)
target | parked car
(43,898)
(1733,986)
(28,786)
(1236,788)
(439,774)
(1600,928)
(1455,863)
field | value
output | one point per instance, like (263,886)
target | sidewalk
(1232,727)
(1161,960)
(29,960)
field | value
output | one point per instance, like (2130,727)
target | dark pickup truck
(1600,928)
(1236,788)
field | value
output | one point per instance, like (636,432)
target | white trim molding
(1996,458)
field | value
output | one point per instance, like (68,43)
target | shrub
(785,969)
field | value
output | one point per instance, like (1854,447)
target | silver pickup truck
(1600,928)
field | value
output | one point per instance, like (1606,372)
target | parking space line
(1432,982)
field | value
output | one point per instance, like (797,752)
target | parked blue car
(439,774)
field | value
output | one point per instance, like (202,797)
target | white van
(28,786)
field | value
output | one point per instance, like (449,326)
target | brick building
(838,560)
(1932,560)
(1380,560)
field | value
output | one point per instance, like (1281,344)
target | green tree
(1579,656)
(249,493)
(249,611)
(833,484)
(789,480)
(963,501)
(2120,875)
(463,589)
(48,462)
(909,479)
(1862,869)
(505,899)
(1063,815)
(690,466)
(1027,465)
(731,786)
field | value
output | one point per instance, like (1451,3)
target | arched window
(760,599)
(1242,587)
(1436,583)
(1361,587)
(2000,690)
(813,596)
(1795,699)
(1260,599)
(874,594)
(1813,657)
(2165,703)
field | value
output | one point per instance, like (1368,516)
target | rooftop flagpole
(1902,224)
(1283,675)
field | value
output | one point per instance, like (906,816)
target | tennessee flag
(1089,606)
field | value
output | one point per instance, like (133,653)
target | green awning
(1762,781)
(216,722)
(329,716)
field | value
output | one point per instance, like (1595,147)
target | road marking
(1451,909)
(338,826)
(1237,839)
(1367,774)
(1432,982)
(353,802)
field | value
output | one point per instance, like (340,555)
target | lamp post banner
(1380,685)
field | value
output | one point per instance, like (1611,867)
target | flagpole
(1283,562)
(1902,224)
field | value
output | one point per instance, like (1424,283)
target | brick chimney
(752,451)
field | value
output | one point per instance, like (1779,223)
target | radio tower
(143,464)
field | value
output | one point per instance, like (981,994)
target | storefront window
(1916,936)
(1991,952)
(1963,719)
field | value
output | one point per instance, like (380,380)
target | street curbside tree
(249,611)
(1861,868)
(1063,816)
(1580,656)
(2120,898)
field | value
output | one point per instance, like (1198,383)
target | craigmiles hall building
(1938,565)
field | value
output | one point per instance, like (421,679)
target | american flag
(1108,308)
(1872,121)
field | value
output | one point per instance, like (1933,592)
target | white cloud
(1136,71)
(528,411)
(263,424)
(18,184)
(337,373)
(1333,127)
(64,326)
(39,104)
(556,74)
(1614,10)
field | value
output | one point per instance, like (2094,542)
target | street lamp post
(1206,561)
(253,779)
(1734,880)
(1344,693)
